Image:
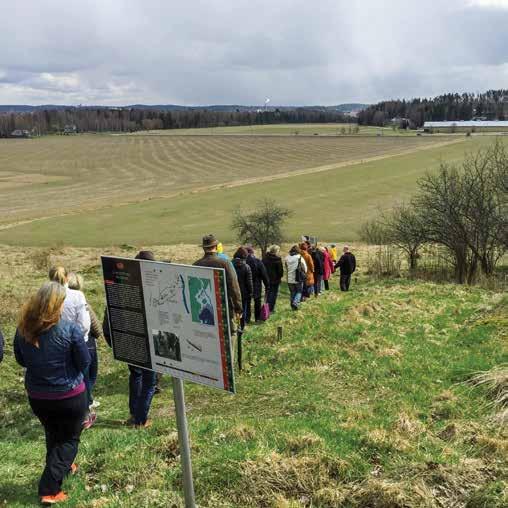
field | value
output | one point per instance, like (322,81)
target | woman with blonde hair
(75,307)
(76,282)
(55,354)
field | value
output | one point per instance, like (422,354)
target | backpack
(301,274)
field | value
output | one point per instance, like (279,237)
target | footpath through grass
(365,402)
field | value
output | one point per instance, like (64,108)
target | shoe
(95,404)
(74,469)
(130,421)
(89,421)
(57,498)
(145,425)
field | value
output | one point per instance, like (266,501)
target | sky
(295,52)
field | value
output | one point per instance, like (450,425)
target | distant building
(70,129)
(467,126)
(20,133)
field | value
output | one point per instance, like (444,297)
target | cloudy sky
(241,51)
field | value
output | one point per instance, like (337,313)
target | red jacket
(328,265)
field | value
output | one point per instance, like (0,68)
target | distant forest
(52,121)
(491,105)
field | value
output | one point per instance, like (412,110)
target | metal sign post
(183,439)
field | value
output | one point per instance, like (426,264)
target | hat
(209,241)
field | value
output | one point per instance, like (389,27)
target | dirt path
(239,183)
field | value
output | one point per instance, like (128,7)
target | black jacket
(274,268)
(319,261)
(244,275)
(346,263)
(259,275)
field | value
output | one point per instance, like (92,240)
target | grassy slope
(52,175)
(363,403)
(329,204)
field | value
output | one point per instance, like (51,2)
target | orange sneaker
(57,498)
(74,469)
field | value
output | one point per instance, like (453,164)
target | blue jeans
(295,291)
(271,295)
(141,390)
(90,373)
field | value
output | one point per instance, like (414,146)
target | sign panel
(170,318)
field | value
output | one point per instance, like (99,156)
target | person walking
(259,279)
(318,260)
(54,353)
(211,259)
(244,276)
(76,282)
(141,381)
(75,306)
(328,267)
(1,346)
(76,311)
(347,265)
(275,271)
(308,285)
(296,270)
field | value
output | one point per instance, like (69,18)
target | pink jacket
(328,265)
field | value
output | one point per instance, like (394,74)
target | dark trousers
(317,284)
(272,294)
(257,308)
(62,421)
(327,285)
(90,374)
(345,281)
(141,390)
(247,310)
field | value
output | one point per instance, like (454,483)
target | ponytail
(58,274)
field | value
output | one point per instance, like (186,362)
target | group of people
(57,333)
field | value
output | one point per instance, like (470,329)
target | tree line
(461,208)
(52,121)
(491,105)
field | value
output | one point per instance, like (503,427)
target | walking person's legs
(273,293)
(62,421)
(327,285)
(248,313)
(135,384)
(348,281)
(257,309)
(148,382)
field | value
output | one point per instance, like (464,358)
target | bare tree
(404,228)
(261,227)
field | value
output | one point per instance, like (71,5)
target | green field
(309,129)
(330,199)
(57,175)
(366,402)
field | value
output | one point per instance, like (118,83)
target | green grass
(330,204)
(364,403)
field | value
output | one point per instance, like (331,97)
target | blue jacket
(57,365)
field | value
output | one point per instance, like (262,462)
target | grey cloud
(202,52)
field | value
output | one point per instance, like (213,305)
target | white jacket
(292,265)
(75,310)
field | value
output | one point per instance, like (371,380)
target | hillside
(366,402)
(73,189)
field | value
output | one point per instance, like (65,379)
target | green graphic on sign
(202,310)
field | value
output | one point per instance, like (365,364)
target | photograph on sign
(181,316)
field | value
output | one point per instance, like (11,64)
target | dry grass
(56,175)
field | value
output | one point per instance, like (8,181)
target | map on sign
(201,301)
(170,318)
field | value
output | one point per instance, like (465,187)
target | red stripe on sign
(218,299)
